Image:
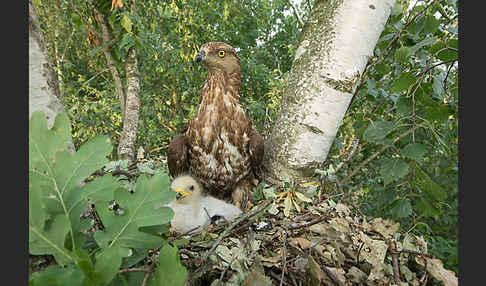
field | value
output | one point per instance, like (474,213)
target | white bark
(43,86)
(336,43)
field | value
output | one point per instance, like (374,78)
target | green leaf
(402,55)
(108,262)
(403,82)
(397,9)
(401,208)
(415,151)
(126,23)
(99,190)
(444,54)
(378,130)
(136,255)
(431,24)
(83,261)
(426,208)
(437,112)
(404,106)
(37,214)
(416,26)
(71,170)
(50,239)
(423,95)
(126,42)
(430,188)
(258,193)
(169,269)
(425,42)
(143,208)
(56,275)
(45,143)
(393,169)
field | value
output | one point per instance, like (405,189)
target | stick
(284,254)
(312,222)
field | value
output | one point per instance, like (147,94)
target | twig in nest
(359,251)
(145,279)
(271,273)
(117,172)
(394,254)
(416,253)
(147,275)
(312,222)
(292,276)
(184,234)
(331,275)
(284,254)
(125,270)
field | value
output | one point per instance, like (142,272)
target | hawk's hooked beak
(200,56)
(181,193)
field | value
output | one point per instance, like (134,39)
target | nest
(324,245)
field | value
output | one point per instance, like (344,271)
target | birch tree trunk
(126,148)
(336,43)
(43,87)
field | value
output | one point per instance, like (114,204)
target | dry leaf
(303,243)
(374,251)
(355,275)
(316,275)
(437,270)
(386,227)
(116,3)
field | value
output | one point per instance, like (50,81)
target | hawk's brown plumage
(219,145)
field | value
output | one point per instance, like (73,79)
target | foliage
(58,200)
(167,35)
(405,112)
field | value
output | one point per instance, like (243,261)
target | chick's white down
(193,210)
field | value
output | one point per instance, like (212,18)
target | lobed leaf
(143,208)
(169,269)
(50,239)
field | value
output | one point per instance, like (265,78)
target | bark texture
(43,86)
(335,45)
(126,148)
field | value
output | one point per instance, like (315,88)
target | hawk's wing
(177,160)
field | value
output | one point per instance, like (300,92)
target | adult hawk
(219,145)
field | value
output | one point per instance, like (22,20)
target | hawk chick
(193,210)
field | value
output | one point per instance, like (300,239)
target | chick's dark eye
(191,188)
(221,53)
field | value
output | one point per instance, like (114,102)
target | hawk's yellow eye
(221,53)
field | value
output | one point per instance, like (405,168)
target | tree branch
(296,13)
(106,39)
